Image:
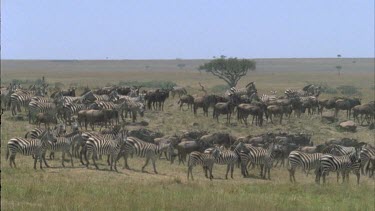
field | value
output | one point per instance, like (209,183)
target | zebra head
(75,125)
(47,136)
(60,129)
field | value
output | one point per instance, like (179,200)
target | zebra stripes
(204,159)
(63,144)
(305,160)
(36,107)
(338,150)
(96,145)
(143,149)
(228,157)
(18,100)
(343,164)
(366,154)
(35,147)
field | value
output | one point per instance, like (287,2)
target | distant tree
(338,55)
(231,70)
(181,65)
(147,67)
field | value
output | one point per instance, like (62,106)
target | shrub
(348,90)
(324,87)
(220,88)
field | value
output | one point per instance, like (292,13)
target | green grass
(79,188)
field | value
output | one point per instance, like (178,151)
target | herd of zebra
(116,144)
(106,105)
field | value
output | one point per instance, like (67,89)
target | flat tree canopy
(231,70)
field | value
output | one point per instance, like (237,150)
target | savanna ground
(79,188)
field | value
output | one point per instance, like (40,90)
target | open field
(79,188)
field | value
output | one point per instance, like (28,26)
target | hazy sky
(157,29)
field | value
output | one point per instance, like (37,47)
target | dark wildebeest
(257,111)
(188,99)
(367,109)
(205,102)
(274,110)
(346,104)
(224,108)
(326,103)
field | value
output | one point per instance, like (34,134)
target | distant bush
(59,85)
(148,84)
(348,90)
(220,88)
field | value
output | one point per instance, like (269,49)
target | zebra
(306,160)
(28,147)
(248,90)
(70,109)
(366,154)
(343,164)
(102,146)
(18,100)
(118,108)
(36,107)
(59,129)
(227,157)
(268,98)
(204,159)
(63,144)
(338,150)
(144,149)
(268,160)
(257,156)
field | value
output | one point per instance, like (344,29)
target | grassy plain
(79,188)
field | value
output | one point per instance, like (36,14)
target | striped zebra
(35,147)
(84,98)
(144,149)
(268,160)
(338,150)
(18,100)
(102,146)
(71,109)
(248,90)
(257,156)
(42,99)
(59,129)
(366,154)
(206,160)
(36,107)
(268,98)
(227,157)
(306,160)
(63,144)
(343,164)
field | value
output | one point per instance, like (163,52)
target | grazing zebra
(28,147)
(306,160)
(343,164)
(102,146)
(59,129)
(204,159)
(144,149)
(227,157)
(63,144)
(366,154)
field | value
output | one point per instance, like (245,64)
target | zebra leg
(125,161)
(12,160)
(291,171)
(210,169)
(226,175)
(63,158)
(358,177)
(108,160)
(93,160)
(338,176)
(71,157)
(147,160)
(231,170)
(44,159)
(153,164)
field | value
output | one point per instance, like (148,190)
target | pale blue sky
(157,29)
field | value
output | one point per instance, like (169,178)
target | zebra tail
(179,101)
(7,154)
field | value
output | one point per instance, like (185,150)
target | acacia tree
(231,70)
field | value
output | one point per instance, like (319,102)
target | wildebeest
(367,109)
(46,118)
(256,110)
(274,110)
(186,99)
(205,102)
(346,104)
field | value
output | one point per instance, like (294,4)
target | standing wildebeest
(188,99)
(367,109)
(205,102)
(156,99)
(346,104)
(178,90)
(326,103)
(93,116)
(278,110)
(224,108)
(256,110)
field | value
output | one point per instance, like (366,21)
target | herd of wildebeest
(110,106)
